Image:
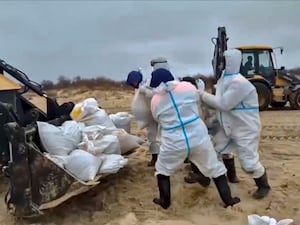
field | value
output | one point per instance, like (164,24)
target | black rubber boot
(197,177)
(225,192)
(263,187)
(231,172)
(164,187)
(153,160)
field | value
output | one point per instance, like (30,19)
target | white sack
(58,160)
(141,110)
(108,144)
(100,117)
(84,109)
(122,120)
(127,141)
(138,140)
(93,132)
(59,140)
(124,114)
(111,163)
(83,165)
(73,129)
(265,220)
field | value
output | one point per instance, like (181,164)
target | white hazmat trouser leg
(153,138)
(247,149)
(169,161)
(223,144)
(205,158)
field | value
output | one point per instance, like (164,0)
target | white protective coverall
(236,102)
(183,133)
(153,130)
(145,119)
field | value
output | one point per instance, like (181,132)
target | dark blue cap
(159,76)
(134,78)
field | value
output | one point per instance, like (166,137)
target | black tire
(295,99)
(278,104)
(264,95)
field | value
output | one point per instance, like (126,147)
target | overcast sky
(46,39)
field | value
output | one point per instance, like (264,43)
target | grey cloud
(91,38)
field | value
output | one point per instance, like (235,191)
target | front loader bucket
(36,182)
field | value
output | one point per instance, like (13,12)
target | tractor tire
(278,104)
(264,95)
(295,99)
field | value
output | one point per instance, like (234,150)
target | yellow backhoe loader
(275,87)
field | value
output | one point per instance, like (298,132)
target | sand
(126,198)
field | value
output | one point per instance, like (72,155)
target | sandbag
(266,220)
(111,163)
(73,129)
(108,144)
(93,132)
(138,140)
(141,111)
(59,140)
(84,109)
(82,164)
(60,161)
(100,117)
(127,141)
(122,120)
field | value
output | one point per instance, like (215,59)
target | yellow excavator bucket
(7,84)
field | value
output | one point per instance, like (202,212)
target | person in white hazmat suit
(183,134)
(212,125)
(236,101)
(135,79)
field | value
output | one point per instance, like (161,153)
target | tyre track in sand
(277,126)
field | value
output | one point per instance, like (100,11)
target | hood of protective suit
(160,76)
(159,63)
(233,60)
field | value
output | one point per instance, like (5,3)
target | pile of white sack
(266,220)
(91,143)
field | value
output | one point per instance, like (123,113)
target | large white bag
(82,164)
(73,129)
(100,117)
(266,220)
(127,141)
(59,140)
(122,120)
(111,163)
(108,144)
(84,109)
(141,111)
(93,132)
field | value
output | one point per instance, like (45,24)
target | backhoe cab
(274,86)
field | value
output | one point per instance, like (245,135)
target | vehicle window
(247,67)
(265,62)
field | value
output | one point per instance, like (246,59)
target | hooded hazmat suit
(183,134)
(144,89)
(144,93)
(208,116)
(236,102)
